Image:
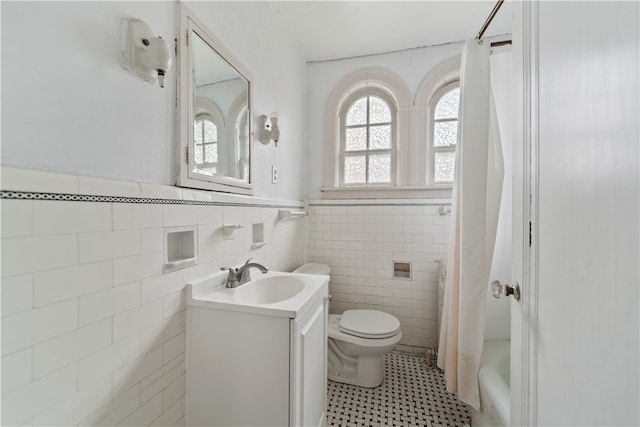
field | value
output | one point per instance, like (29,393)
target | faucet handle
(232,279)
(232,272)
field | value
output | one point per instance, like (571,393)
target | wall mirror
(214,95)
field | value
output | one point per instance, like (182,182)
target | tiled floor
(411,395)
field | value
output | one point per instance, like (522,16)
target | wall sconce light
(269,129)
(145,55)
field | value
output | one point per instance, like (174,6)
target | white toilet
(357,341)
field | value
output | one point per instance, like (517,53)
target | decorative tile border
(369,204)
(26,195)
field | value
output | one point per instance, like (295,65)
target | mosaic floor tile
(411,395)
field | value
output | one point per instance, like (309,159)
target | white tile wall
(92,330)
(360,240)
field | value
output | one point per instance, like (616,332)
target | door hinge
(187,151)
(530,232)
(175,47)
(187,39)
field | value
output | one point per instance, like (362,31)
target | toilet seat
(371,324)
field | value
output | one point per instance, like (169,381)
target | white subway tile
(105,245)
(146,414)
(61,284)
(174,347)
(173,304)
(210,214)
(156,191)
(23,255)
(161,286)
(74,409)
(100,305)
(17,218)
(161,332)
(107,187)
(70,347)
(170,416)
(152,389)
(131,322)
(31,327)
(176,215)
(122,405)
(188,194)
(133,372)
(17,294)
(151,240)
(173,392)
(22,404)
(130,269)
(18,179)
(159,373)
(58,217)
(16,370)
(128,216)
(105,361)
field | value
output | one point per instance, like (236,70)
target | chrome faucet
(240,276)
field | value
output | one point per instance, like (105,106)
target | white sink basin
(274,293)
(269,290)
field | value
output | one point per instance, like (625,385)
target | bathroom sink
(269,290)
(274,293)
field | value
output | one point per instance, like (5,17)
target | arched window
(444,132)
(205,144)
(368,139)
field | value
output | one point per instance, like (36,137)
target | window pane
(380,137)
(354,169)
(210,132)
(445,133)
(197,151)
(379,168)
(444,166)
(378,111)
(357,114)
(197,132)
(356,139)
(447,107)
(211,153)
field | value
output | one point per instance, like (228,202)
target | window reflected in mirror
(215,101)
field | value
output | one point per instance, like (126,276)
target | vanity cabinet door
(310,378)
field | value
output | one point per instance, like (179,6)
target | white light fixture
(269,130)
(145,55)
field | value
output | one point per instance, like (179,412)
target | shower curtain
(474,216)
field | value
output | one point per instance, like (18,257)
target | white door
(577,180)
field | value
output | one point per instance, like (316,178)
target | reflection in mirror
(215,102)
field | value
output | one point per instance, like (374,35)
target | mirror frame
(189,23)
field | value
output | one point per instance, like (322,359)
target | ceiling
(329,30)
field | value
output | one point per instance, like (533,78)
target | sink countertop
(210,292)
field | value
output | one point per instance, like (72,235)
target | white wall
(92,330)
(70,107)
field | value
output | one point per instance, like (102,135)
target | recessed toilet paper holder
(499,290)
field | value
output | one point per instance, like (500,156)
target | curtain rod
(489,19)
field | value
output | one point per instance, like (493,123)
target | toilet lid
(369,324)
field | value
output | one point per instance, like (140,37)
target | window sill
(430,192)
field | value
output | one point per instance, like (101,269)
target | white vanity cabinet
(256,366)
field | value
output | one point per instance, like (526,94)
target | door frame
(524,313)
